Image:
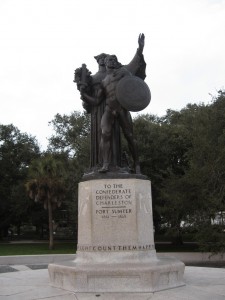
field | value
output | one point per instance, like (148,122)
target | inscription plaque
(114,207)
(113,201)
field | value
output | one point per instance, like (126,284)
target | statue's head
(101,58)
(111,62)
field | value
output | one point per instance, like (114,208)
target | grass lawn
(36,249)
(69,248)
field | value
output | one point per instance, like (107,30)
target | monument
(115,251)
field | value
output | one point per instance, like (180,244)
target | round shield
(133,93)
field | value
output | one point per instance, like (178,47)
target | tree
(47,185)
(162,148)
(71,141)
(197,193)
(72,135)
(16,152)
(206,172)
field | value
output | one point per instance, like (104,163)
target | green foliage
(211,238)
(16,152)
(183,155)
(71,134)
(47,181)
(71,141)
(163,148)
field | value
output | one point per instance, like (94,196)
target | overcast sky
(44,41)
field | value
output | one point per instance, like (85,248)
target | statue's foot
(104,169)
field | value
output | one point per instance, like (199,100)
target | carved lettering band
(90,248)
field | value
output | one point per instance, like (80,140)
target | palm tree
(47,185)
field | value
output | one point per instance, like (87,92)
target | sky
(44,41)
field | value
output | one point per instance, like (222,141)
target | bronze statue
(110,95)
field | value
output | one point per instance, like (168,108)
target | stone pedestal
(115,251)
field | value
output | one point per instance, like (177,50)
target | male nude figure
(114,110)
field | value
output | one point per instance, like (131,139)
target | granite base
(164,273)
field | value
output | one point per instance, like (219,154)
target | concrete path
(201,284)
(15,268)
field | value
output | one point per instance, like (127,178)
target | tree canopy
(183,155)
(17,150)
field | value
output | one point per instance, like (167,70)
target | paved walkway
(201,284)
(15,268)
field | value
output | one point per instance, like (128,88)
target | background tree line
(182,153)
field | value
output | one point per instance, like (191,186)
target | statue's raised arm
(137,65)
(141,42)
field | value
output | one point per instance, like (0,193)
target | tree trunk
(50,222)
(177,238)
(18,231)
